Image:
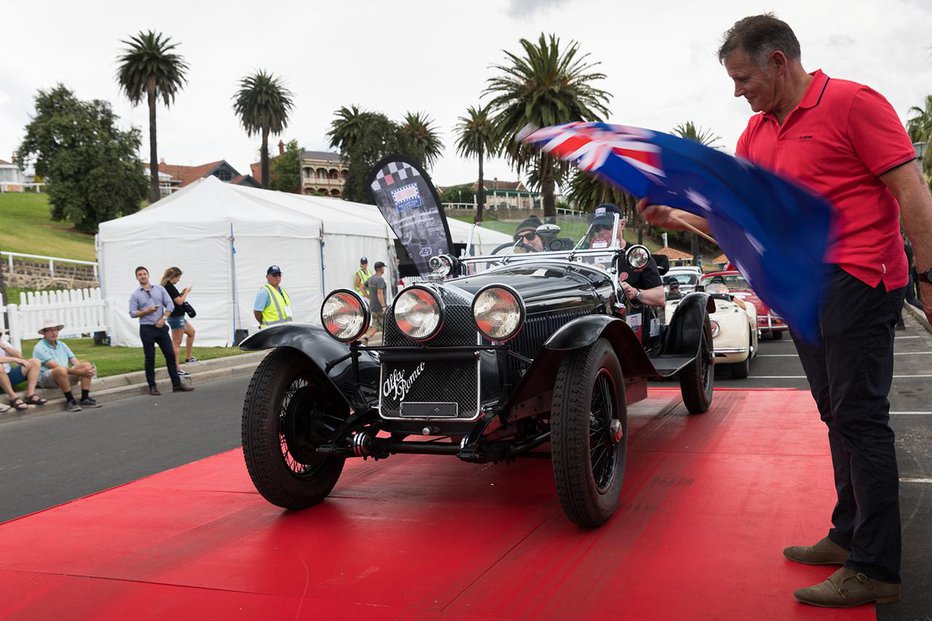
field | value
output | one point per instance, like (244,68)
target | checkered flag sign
(408,202)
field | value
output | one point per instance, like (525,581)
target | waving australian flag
(772,229)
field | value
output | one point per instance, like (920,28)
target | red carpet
(708,504)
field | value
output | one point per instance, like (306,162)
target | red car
(768,322)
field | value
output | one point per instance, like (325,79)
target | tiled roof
(674,254)
(188,174)
(322,155)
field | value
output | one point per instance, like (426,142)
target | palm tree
(262,103)
(149,68)
(546,86)
(422,139)
(477,137)
(919,128)
(346,128)
(691,131)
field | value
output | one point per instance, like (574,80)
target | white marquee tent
(224,236)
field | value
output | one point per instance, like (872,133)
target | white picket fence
(81,311)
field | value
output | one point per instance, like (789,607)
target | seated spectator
(59,366)
(526,233)
(15,369)
(673,288)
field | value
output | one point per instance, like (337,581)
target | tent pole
(233,280)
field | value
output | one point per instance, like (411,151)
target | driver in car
(527,235)
(717,286)
(643,287)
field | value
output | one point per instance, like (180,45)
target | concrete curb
(919,316)
(133,384)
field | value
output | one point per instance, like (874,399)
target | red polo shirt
(837,142)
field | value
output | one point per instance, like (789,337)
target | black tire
(740,370)
(588,458)
(697,380)
(287,414)
(776,335)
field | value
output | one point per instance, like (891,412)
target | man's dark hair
(758,36)
(379,265)
(141,268)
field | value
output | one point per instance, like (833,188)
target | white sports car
(734,329)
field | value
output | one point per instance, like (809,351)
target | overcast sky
(395,56)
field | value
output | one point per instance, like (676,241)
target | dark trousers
(850,373)
(150,335)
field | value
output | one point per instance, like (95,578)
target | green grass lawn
(117,360)
(26,226)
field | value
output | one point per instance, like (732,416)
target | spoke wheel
(288,413)
(589,433)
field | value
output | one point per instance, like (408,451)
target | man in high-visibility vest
(272,306)
(361,277)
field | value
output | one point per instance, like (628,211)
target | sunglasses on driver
(526,236)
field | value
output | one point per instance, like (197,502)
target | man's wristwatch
(926,276)
(637,296)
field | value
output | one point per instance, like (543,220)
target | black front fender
(684,330)
(331,357)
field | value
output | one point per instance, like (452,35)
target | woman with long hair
(179,324)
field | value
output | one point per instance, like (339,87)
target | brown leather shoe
(846,588)
(154,391)
(182,388)
(825,552)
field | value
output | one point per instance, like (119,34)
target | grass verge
(118,360)
(26,226)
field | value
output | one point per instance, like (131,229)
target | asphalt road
(57,457)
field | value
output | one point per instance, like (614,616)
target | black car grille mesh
(537,329)
(439,382)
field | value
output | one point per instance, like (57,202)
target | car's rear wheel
(740,370)
(697,379)
(288,413)
(589,428)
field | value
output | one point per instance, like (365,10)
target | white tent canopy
(223,237)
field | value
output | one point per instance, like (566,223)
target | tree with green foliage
(477,138)
(546,86)
(149,68)
(346,128)
(286,169)
(92,170)
(378,136)
(262,104)
(919,128)
(421,138)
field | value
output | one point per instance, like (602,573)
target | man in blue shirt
(151,304)
(60,365)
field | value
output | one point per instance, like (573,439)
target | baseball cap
(604,214)
(273,269)
(363,260)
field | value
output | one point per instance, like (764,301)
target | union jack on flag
(755,215)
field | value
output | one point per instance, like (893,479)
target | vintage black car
(538,349)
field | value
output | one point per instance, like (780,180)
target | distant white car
(686,277)
(734,330)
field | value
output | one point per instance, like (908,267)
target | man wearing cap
(60,367)
(272,305)
(644,286)
(526,233)
(151,304)
(361,277)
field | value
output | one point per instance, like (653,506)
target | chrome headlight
(716,328)
(441,265)
(418,313)
(637,256)
(499,312)
(344,315)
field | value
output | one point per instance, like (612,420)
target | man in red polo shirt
(843,141)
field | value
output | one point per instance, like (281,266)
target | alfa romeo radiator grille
(458,329)
(430,382)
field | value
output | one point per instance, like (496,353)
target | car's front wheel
(697,379)
(589,427)
(288,413)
